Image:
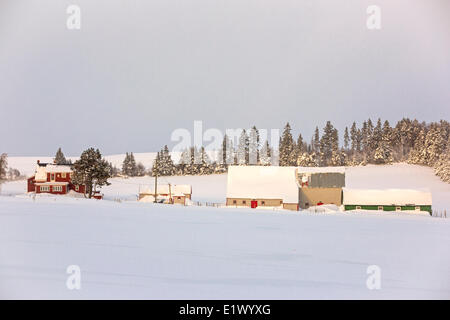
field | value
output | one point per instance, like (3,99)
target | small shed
(387,199)
(173,194)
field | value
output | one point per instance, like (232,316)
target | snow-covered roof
(43,169)
(58,168)
(321,169)
(263,182)
(40,174)
(175,190)
(386,197)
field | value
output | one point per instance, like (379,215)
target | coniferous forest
(371,142)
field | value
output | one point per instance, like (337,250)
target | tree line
(369,143)
(8,173)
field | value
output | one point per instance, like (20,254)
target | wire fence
(208,204)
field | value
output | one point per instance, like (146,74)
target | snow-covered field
(128,249)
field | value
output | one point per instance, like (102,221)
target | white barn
(387,199)
(266,186)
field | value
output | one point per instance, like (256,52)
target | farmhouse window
(380,208)
(52,176)
(234,201)
(358,207)
(398,208)
(77,188)
(417,208)
(57,188)
(63,174)
(44,188)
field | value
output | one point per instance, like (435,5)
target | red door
(253,204)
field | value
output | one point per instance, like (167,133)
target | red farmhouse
(54,179)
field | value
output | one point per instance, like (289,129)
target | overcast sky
(137,70)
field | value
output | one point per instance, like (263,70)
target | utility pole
(170,194)
(156,176)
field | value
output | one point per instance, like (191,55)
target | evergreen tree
(204,166)
(125,164)
(253,147)
(129,166)
(300,145)
(156,165)
(328,144)
(383,153)
(226,153)
(354,138)
(165,163)
(91,170)
(184,161)
(365,138)
(287,148)
(132,166)
(265,154)
(316,141)
(59,157)
(230,151)
(442,166)
(243,149)
(114,172)
(3,166)
(369,129)
(375,139)
(346,139)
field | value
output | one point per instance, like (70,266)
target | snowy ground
(139,250)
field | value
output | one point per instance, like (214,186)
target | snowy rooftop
(261,182)
(42,170)
(321,169)
(57,168)
(386,197)
(176,189)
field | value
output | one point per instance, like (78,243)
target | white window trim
(57,188)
